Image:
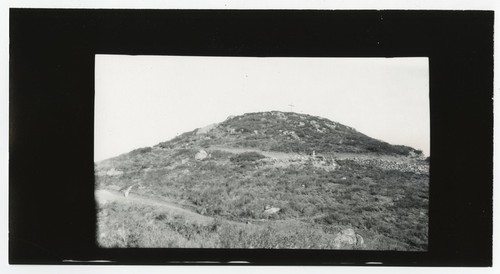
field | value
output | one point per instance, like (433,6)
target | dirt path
(105,196)
(288,156)
(270,154)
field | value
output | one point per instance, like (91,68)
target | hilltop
(286,132)
(304,181)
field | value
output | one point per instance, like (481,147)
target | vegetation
(142,226)
(384,203)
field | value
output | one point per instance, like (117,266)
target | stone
(332,126)
(201,155)
(272,210)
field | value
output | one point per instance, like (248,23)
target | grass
(143,226)
(386,203)
(146,226)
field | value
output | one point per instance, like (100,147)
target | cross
(291,107)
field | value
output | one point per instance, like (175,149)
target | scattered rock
(317,127)
(201,155)
(281,116)
(291,133)
(394,165)
(332,126)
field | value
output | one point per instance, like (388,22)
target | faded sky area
(143,100)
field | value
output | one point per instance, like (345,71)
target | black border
(51,205)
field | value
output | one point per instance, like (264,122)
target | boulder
(272,210)
(201,155)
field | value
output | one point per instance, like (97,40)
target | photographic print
(259,137)
(262,153)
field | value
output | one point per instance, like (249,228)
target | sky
(143,100)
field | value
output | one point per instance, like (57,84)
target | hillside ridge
(287,132)
(287,180)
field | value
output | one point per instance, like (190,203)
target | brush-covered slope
(286,132)
(301,180)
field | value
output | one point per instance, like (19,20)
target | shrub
(247,157)
(138,151)
(183,151)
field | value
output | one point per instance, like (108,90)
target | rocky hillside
(270,169)
(286,132)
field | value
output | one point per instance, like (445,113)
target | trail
(105,196)
(288,156)
(270,154)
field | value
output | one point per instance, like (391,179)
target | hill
(286,132)
(267,180)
